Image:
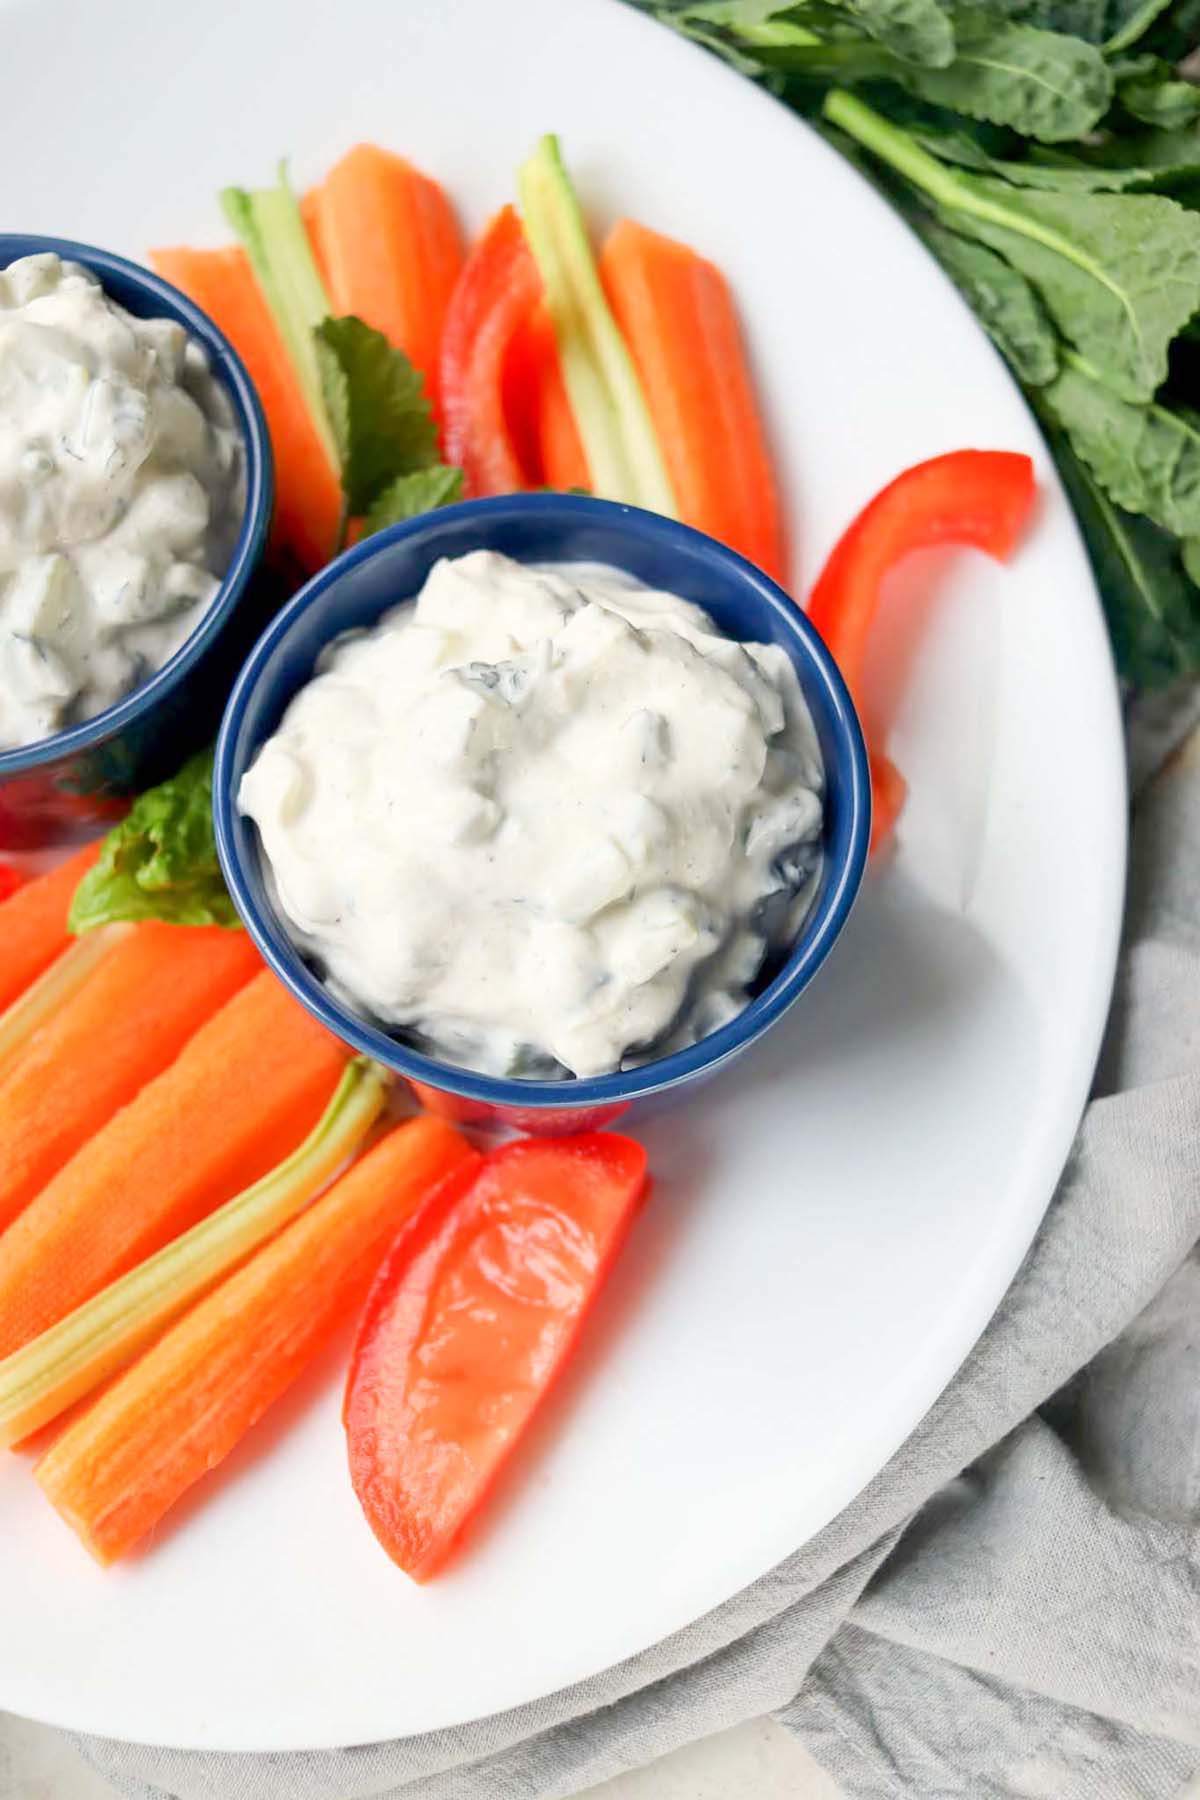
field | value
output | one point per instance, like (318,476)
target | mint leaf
(1146,457)
(378,407)
(1152,607)
(411,494)
(160,862)
(1007,307)
(1191,559)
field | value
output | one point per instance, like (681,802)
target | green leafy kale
(1149,91)
(1008,309)
(1147,458)
(1152,607)
(1048,153)
(160,862)
(1119,274)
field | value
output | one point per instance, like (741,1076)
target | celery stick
(42,999)
(606,396)
(270,225)
(44,1377)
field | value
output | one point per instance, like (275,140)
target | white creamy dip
(542,821)
(122,489)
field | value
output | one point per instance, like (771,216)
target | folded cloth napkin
(1012,1607)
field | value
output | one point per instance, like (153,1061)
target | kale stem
(893,146)
(955,192)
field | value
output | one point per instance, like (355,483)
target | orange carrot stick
(678,318)
(389,247)
(182,1407)
(131,1017)
(33,923)
(561,455)
(308,493)
(243,1092)
(310,214)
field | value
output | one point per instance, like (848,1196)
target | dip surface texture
(122,489)
(542,822)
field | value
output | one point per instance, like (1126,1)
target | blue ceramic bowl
(51,790)
(364,583)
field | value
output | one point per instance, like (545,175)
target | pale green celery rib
(44,1377)
(615,427)
(271,227)
(43,998)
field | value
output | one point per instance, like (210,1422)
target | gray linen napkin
(1011,1609)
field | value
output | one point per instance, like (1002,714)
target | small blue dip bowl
(63,785)
(366,582)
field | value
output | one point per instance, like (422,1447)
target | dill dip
(542,822)
(122,490)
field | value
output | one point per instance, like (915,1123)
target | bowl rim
(818,671)
(228,368)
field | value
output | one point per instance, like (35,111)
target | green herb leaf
(160,862)
(1007,307)
(1191,559)
(1119,274)
(1150,93)
(1153,610)
(411,494)
(1146,457)
(1040,83)
(376,401)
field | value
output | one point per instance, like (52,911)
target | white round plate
(833,1223)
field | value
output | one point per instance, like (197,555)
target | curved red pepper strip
(979,497)
(496,292)
(10,880)
(472,1316)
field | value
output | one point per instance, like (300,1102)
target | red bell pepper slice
(493,298)
(472,1315)
(979,497)
(10,880)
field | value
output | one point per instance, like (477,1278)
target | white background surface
(834,1222)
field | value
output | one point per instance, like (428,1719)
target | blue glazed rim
(122,279)
(823,687)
